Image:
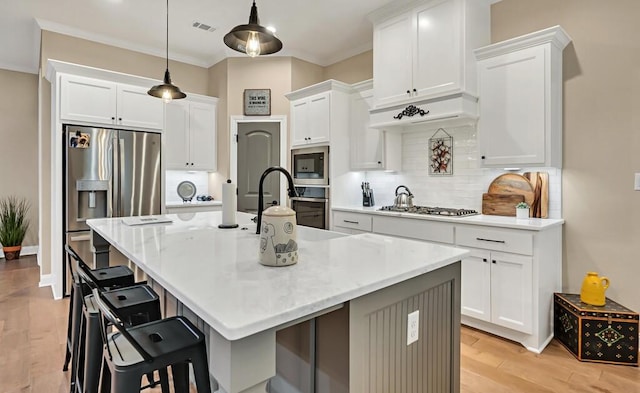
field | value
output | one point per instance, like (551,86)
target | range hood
(453,110)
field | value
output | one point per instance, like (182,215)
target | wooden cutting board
(512,184)
(540,184)
(501,204)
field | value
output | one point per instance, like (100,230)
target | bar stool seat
(131,352)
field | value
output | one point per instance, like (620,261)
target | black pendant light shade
(253,39)
(167,90)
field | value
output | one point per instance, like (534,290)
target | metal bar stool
(134,305)
(131,352)
(114,276)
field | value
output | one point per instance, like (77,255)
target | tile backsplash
(173,178)
(463,189)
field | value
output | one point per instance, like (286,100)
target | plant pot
(522,213)
(11,253)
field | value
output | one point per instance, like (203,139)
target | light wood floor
(33,335)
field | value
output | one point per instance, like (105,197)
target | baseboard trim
(28,250)
(46,280)
(49,280)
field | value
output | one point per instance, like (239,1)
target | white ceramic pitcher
(278,237)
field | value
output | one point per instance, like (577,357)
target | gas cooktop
(434,211)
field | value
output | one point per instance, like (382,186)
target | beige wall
(56,46)
(230,78)
(354,69)
(305,74)
(601,133)
(19,143)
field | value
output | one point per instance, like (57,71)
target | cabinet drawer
(441,232)
(357,221)
(513,241)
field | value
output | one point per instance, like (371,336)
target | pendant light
(167,90)
(253,39)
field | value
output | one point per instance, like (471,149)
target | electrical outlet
(412,327)
(636,183)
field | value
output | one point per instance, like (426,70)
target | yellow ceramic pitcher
(593,288)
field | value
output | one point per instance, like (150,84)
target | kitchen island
(215,275)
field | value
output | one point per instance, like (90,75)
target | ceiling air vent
(203,26)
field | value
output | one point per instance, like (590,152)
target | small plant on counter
(522,205)
(13,225)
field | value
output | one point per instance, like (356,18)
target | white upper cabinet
(371,149)
(316,112)
(311,120)
(520,84)
(100,102)
(176,135)
(426,50)
(190,134)
(136,108)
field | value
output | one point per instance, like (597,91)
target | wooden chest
(607,334)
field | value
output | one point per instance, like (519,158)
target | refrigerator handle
(120,168)
(115,179)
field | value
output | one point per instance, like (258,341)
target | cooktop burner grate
(434,211)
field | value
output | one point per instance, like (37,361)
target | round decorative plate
(186,190)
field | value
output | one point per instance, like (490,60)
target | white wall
(463,189)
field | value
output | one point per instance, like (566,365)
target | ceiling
(322,32)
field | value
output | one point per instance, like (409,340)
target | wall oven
(310,166)
(312,207)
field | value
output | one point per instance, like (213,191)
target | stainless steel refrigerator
(108,173)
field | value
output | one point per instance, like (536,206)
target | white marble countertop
(532,224)
(193,203)
(215,272)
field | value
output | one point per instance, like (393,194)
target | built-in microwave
(310,166)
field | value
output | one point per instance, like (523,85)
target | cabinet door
(319,120)
(136,108)
(202,136)
(299,122)
(476,285)
(366,144)
(511,291)
(437,51)
(176,135)
(512,121)
(87,100)
(392,59)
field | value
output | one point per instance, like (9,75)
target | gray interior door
(258,149)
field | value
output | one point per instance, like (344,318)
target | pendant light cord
(167,34)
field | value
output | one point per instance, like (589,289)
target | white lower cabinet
(508,280)
(432,231)
(351,223)
(497,288)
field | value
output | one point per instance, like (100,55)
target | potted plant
(13,225)
(522,210)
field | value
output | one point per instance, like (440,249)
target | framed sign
(257,102)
